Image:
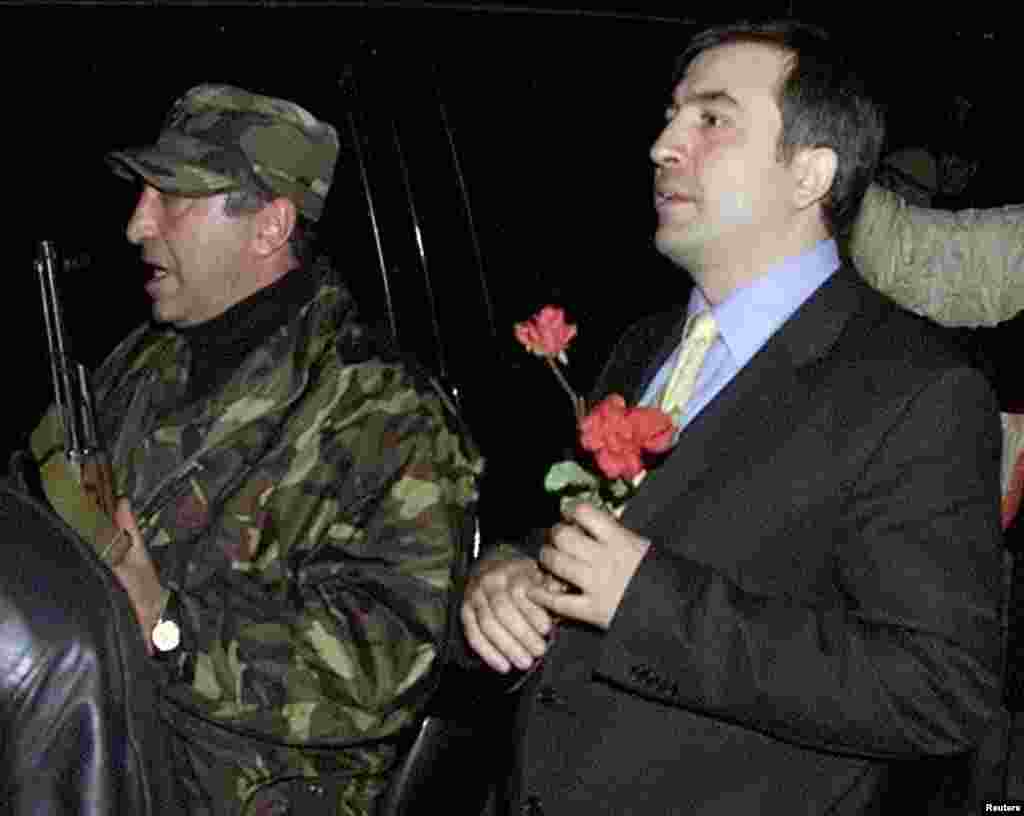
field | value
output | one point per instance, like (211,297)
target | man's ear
(815,169)
(274,225)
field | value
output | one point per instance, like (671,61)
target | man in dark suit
(798,611)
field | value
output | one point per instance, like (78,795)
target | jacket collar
(148,375)
(758,401)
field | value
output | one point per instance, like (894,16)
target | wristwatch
(166,635)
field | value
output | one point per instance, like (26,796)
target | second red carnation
(618,436)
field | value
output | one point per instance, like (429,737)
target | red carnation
(546,334)
(619,436)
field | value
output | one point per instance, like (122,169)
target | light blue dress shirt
(746,320)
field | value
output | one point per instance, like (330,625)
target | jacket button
(531,807)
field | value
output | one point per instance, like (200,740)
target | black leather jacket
(79,725)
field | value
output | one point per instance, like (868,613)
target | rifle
(73,394)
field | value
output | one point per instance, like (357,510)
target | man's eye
(172,201)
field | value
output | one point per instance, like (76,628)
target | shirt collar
(753,313)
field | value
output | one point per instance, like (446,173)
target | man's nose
(144,221)
(673,146)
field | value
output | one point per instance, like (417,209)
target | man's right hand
(503,626)
(134,569)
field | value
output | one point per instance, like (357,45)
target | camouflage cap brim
(169,172)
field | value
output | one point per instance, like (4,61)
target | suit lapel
(761,403)
(639,355)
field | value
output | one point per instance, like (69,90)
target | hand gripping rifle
(72,393)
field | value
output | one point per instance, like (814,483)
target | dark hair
(252,198)
(823,103)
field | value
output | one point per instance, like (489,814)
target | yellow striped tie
(698,336)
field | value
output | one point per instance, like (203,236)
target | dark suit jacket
(816,626)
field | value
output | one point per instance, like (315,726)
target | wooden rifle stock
(98,482)
(73,395)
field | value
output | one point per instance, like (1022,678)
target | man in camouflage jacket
(302,514)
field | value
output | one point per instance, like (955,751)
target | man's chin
(680,247)
(163,314)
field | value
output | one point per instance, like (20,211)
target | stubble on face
(198,258)
(683,243)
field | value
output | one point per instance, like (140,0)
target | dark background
(514,136)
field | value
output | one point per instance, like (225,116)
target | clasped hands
(512,603)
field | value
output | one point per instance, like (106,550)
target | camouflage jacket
(306,519)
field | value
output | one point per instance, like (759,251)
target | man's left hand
(595,554)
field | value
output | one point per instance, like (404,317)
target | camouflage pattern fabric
(217,138)
(306,519)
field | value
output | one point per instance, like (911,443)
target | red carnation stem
(577,402)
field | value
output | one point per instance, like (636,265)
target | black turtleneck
(220,345)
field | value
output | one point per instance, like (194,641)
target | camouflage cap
(217,138)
